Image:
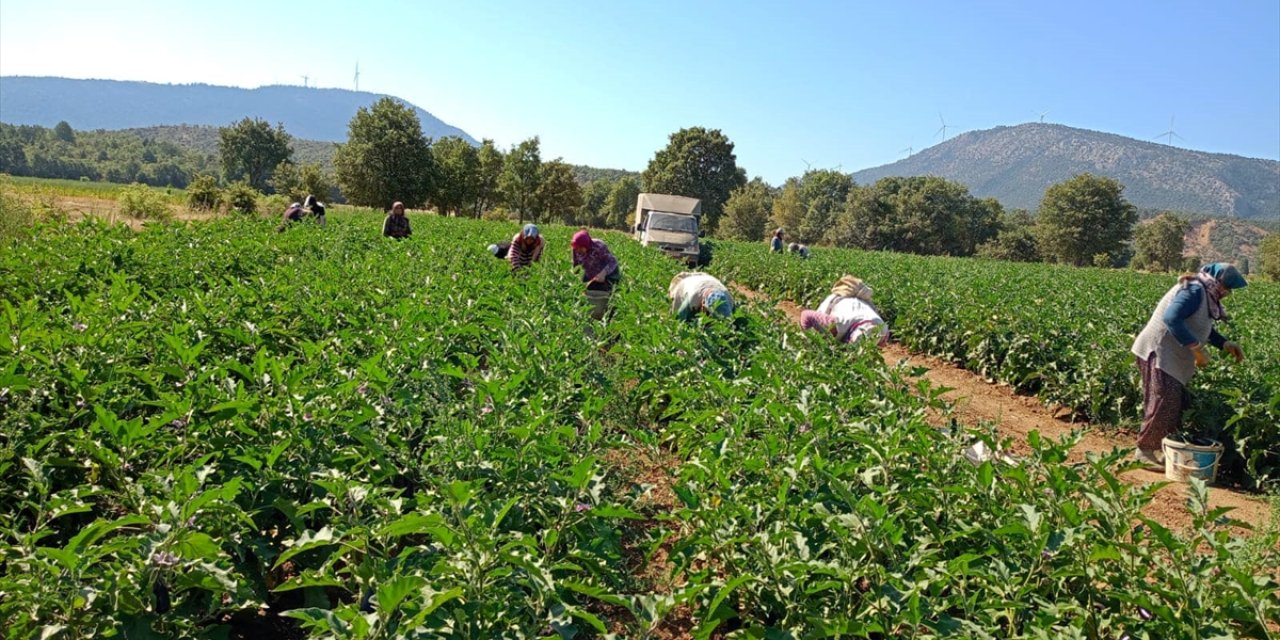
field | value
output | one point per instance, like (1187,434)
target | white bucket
(1183,460)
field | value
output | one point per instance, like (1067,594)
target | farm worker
(525,248)
(691,292)
(397,223)
(315,207)
(775,245)
(847,313)
(798,249)
(500,250)
(599,270)
(1171,347)
(291,214)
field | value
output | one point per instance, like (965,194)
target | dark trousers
(1164,399)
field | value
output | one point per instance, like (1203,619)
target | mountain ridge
(1016,163)
(306,113)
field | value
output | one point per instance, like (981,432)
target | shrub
(273,205)
(16,216)
(241,198)
(140,201)
(497,214)
(203,193)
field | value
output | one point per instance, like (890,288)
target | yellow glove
(1235,350)
(1201,359)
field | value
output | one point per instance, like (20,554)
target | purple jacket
(596,261)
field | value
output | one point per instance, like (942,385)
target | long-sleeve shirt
(522,253)
(1185,303)
(598,261)
(854,318)
(687,297)
(396,226)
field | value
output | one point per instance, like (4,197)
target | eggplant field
(215,430)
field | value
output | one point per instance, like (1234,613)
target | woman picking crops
(691,292)
(599,270)
(1171,347)
(525,247)
(847,313)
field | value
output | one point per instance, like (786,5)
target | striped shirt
(523,253)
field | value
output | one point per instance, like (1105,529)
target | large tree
(746,214)
(489,163)
(1084,217)
(1269,256)
(385,158)
(521,174)
(458,167)
(920,214)
(251,150)
(594,193)
(1016,240)
(822,195)
(1158,244)
(559,196)
(620,205)
(698,163)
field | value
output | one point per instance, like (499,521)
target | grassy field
(215,430)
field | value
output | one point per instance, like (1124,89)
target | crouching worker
(599,270)
(691,292)
(797,249)
(292,214)
(500,250)
(525,247)
(397,224)
(848,313)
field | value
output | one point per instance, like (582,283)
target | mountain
(310,114)
(1016,164)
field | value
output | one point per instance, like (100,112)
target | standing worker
(847,313)
(525,247)
(599,270)
(691,292)
(1171,347)
(315,208)
(397,223)
(775,245)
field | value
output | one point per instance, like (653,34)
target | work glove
(1201,359)
(1234,349)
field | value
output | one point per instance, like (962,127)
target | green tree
(822,195)
(746,214)
(1269,256)
(920,214)
(1016,240)
(521,175)
(698,163)
(1084,216)
(458,165)
(489,163)
(620,206)
(251,150)
(594,194)
(64,132)
(1158,244)
(788,207)
(559,196)
(386,158)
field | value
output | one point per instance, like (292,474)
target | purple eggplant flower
(164,559)
(80,326)
(581,506)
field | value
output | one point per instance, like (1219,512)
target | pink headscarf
(581,240)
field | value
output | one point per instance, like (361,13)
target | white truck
(672,223)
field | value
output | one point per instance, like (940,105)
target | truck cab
(671,223)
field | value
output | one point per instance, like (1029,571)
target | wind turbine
(1042,115)
(304,80)
(357,75)
(1170,134)
(909,150)
(943,128)
(807,166)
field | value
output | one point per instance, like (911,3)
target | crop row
(205,426)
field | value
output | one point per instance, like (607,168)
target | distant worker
(797,249)
(315,208)
(1171,347)
(599,270)
(775,245)
(500,250)
(293,213)
(525,248)
(691,292)
(848,313)
(397,223)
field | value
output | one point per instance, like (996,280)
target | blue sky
(847,85)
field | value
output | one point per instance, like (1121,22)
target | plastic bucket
(1199,459)
(599,302)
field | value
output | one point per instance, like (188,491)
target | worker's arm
(1185,303)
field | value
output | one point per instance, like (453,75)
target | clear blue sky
(835,84)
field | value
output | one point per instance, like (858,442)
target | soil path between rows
(976,401)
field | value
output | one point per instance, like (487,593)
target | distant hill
(1016,164)
(309,114)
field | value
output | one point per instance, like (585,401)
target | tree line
(1081,221)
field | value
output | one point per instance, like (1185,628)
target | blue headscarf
(718,303)
(530,231)
(1225,273)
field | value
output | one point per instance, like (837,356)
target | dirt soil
(976,400)
(81,207)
